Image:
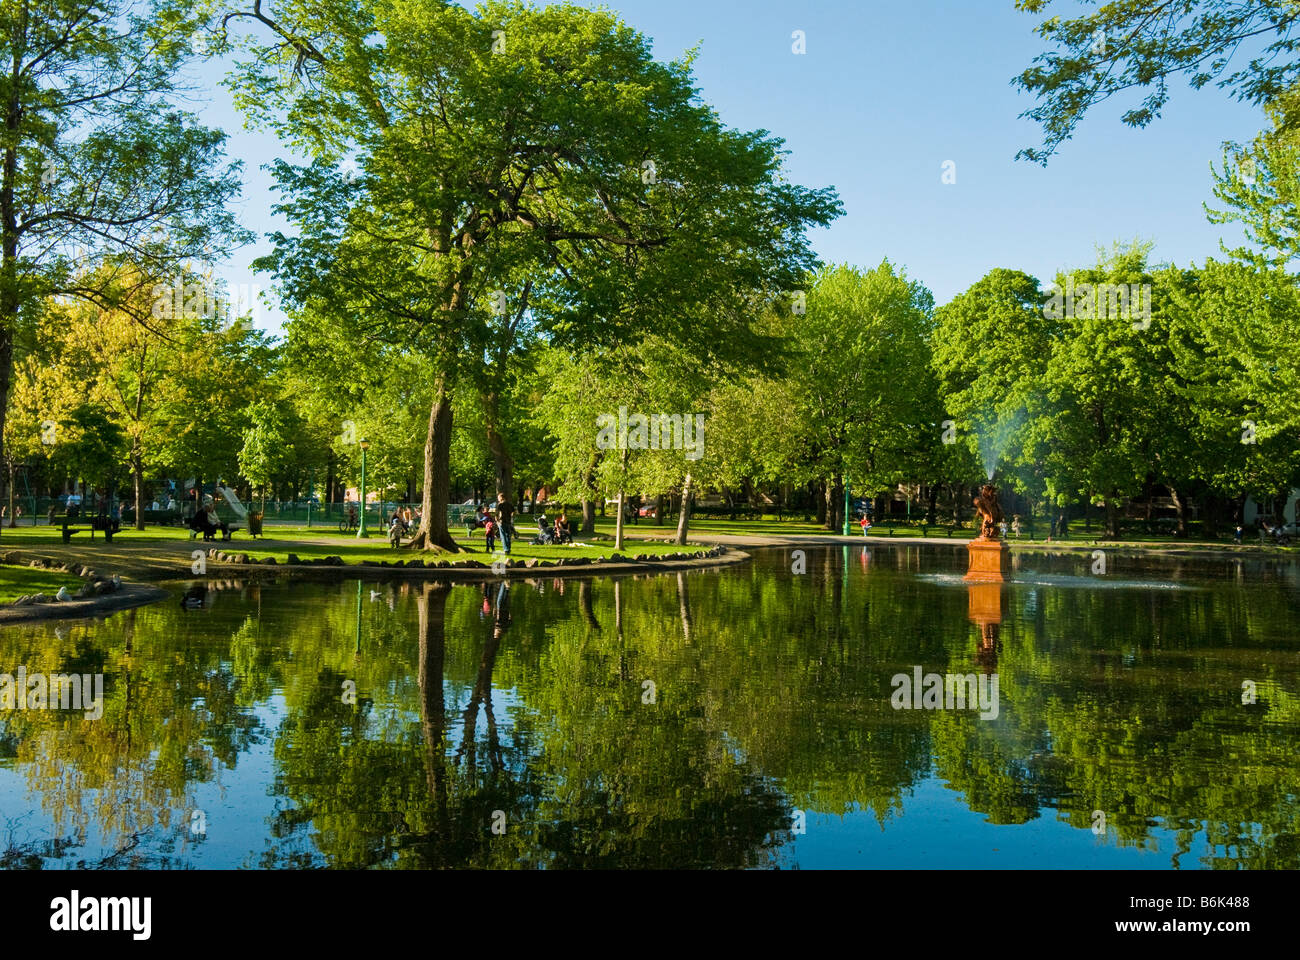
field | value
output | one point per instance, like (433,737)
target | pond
(802,710)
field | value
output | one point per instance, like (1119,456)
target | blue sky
(885,94)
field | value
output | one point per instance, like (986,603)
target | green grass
(325,540)
(352,550)
(1079,536)
(321,541)
(16,582)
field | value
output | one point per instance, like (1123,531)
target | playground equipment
(229,496)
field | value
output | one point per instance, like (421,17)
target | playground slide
(235,505)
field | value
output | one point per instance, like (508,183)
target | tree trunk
(1210,526)
(1112,518)
(618,524)
(659,510)
(9,294)
(505,464)
(433,534)
(828,493)
(13,469)
(684,519)
(1181,506)
(820,504)
(137,472)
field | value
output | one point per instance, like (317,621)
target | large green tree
(94,158)
(862,378)
(503,143)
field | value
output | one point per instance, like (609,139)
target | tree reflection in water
(772,694)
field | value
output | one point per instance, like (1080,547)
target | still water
(745,717)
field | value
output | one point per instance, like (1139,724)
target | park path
(151,559)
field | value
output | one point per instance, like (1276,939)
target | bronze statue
(990,511)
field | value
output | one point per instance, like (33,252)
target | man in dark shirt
(505,519)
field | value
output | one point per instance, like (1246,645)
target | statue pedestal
(990,561)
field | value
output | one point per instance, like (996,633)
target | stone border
(123,598)
(472,570)
(102,597)
(1061,548)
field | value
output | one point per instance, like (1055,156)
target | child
(490,529)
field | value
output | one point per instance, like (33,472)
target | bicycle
(350,523)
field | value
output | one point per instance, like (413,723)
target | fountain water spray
(995,439)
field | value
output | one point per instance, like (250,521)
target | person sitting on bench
(208,523)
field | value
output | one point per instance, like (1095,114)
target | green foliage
(1138,45)
(1260,185)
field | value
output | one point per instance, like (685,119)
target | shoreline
(127,597)
(141,591)
(1115,547)
(724,549)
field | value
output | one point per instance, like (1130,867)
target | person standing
(505,520)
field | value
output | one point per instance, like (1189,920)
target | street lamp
(361,529)
(846,507)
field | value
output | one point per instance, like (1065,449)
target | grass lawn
(16,582)
(317,542)
(770,526)
(172,546)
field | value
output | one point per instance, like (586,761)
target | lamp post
(846,507)
(361,527)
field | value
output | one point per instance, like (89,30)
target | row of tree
(857,380)
(513,225)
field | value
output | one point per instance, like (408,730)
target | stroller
(1276,532)
(545,537)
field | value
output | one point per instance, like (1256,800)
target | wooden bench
(226,536)
(71,527)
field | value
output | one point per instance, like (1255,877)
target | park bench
(74,525)
(226,536)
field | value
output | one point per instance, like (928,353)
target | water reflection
(676,720)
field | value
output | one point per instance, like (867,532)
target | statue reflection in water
(986,613)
